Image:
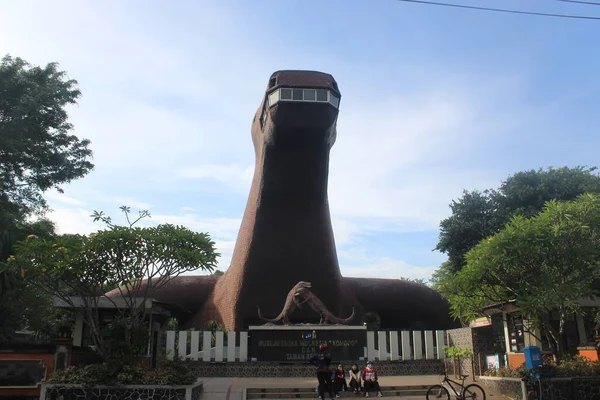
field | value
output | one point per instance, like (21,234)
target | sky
(435,100)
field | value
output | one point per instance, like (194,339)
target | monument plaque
(298,343)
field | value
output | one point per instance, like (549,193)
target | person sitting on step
(355,378)
(369,377)
(339,380)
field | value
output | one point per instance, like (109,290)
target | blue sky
(434,101)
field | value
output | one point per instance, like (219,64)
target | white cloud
(234,175)
(387,268)
(73,220)
(63,198)
(168,112)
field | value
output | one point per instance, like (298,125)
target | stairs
(310,393)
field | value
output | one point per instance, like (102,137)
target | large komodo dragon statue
(299,295)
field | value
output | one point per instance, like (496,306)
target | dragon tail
(345,321)
(277,318)
(350,318)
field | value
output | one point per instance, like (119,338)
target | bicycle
(471,391)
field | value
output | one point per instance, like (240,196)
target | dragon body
(299,295)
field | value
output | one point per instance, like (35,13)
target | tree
(546,263)
(477,215)
(37,152)
(218,272)
(79,269)
(22,306)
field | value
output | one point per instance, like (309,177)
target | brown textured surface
(402,304)
(286,234)
(187,292)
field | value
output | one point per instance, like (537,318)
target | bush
(170,373)
(568,367)
(504,372)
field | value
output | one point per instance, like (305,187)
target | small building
(157,315)
(511,331)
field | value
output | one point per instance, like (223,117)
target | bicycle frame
(450,383)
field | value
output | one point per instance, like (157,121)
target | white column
(417,345)
(439,342)
(170,345)
(406,351)
(581,329)
(506,333)
(219,346)
(78,332)
(394,346)
(243,346)
(371,352)
(182,353)
(231,346)
(195,347)
(206,350)
(382,345)
(429,355)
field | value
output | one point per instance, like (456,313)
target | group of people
(334,381)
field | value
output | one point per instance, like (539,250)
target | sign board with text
(299,343)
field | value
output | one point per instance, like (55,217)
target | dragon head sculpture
(301,287)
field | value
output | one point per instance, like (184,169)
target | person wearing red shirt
(369,377)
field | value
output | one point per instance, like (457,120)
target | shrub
(169,373)
(505,372)
(569,366)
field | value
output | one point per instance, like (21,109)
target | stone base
(275,370)
(510,387)
(129,392)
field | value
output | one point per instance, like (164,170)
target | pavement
(234,388)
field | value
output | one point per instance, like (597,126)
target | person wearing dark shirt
(339,380)
(322,361)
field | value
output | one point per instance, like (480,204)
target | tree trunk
(554,339)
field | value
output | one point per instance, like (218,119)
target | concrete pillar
(506,332)
(581,329)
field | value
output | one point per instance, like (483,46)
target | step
(312,388)
(307,393)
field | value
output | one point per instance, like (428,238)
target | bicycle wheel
(474,392)
(438,392)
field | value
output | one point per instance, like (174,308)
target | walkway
(233,388)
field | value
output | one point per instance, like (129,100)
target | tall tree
(80,269)
(545,263)
(477,215)
(37,151)
(21,306)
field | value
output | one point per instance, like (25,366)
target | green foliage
(214,327)
(569,366)
(38,153)
(218,272)
(136,261)
(22,306)
(134,331)
(168,373)
(474,217)
(458,352)
(373,320)
(478,215)
(504,372)
(545,263)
